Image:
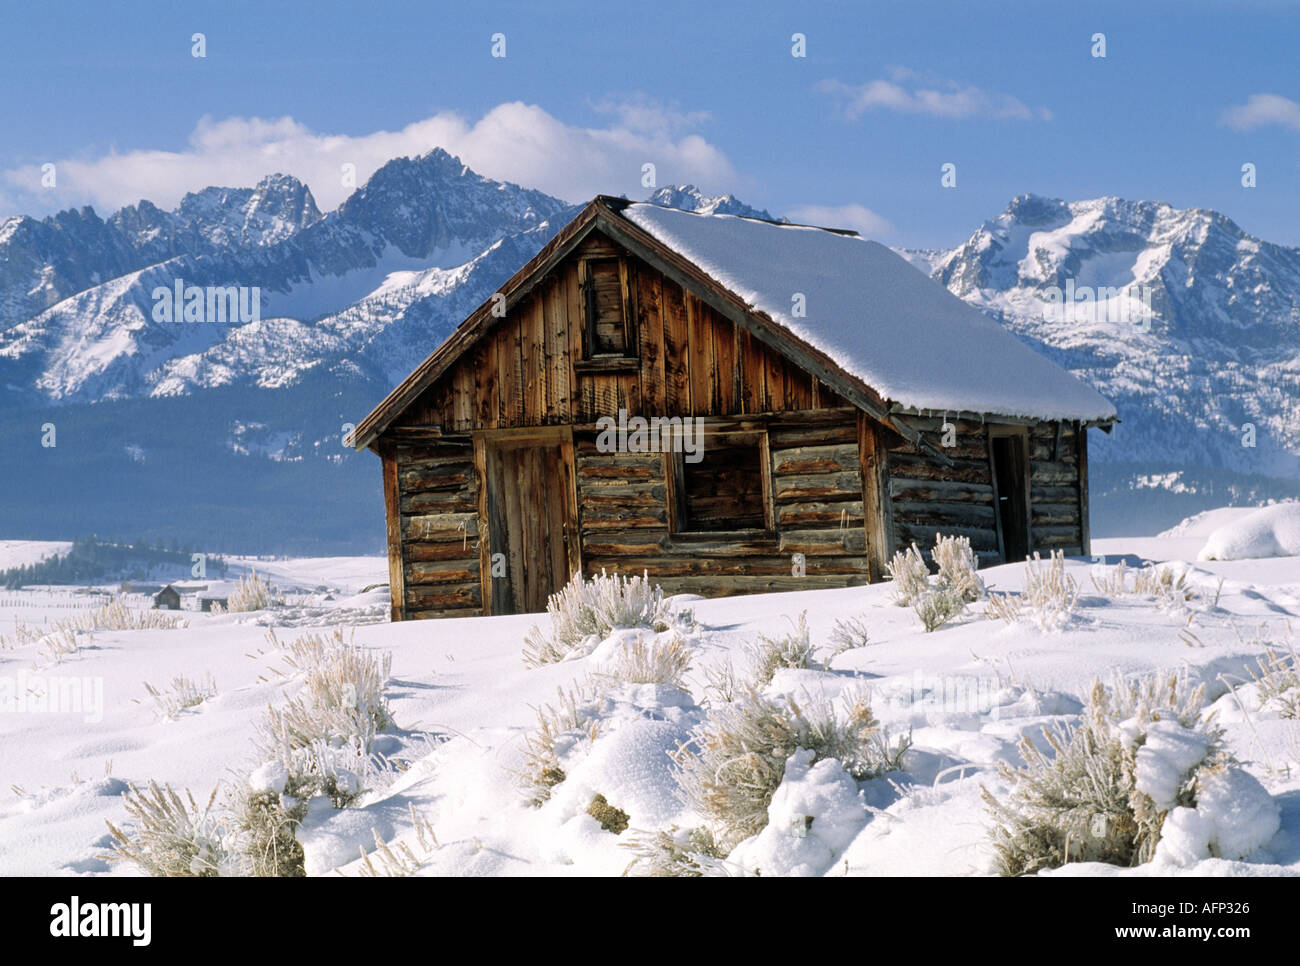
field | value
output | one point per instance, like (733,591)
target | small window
(727,489)
(606,313)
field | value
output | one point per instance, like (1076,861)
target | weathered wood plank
(821,487)
(805,460)
(393,531)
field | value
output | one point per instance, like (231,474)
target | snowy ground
(464,701)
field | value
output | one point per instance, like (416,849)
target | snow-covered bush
(1104,790)
(957,564)
(584,612)
(182,693)
(686,853)
(658,660)
(730,769)
(250,594)
(1049,598)
(910,575)
(171,836)
(559,727)
(793,649)
(937,606)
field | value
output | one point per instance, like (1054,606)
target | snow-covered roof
(879,318)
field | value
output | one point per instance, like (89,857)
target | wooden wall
(929,497)
(530,371)
(437,512)
(625,518)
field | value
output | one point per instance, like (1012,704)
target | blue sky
(854,133)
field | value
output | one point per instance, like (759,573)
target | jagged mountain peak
(688,197)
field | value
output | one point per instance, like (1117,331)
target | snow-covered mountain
(350,300)
(1218,352)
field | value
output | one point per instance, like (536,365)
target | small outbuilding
(168,598)
(728,404)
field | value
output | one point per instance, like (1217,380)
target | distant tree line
(93,559)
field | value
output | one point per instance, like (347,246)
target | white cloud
(512,142)
(861,219)
(1261,110)
(910,92)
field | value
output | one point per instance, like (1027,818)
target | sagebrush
(585,609)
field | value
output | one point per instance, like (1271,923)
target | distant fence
(53,602)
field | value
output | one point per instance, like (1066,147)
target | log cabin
(845,405)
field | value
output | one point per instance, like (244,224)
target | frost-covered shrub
(342,696)
(1049,598)
(658,660)
(791,650)
(953,588)
(182,693)
(938,606)
(1103,790)
(910,575)
(559,726)
(687,853)
(848,732)
(250,594)
(1277,681)
(847,634)
(1049,591)
(584,612)
(171,836)
(957,564)
(730,769)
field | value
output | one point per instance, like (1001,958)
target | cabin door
(531,514)
(1009,456)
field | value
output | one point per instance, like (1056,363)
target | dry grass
(1277,680)
(181,693)
(250,594)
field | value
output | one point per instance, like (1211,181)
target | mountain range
(229,435)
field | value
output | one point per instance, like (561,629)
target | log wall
(929,496)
